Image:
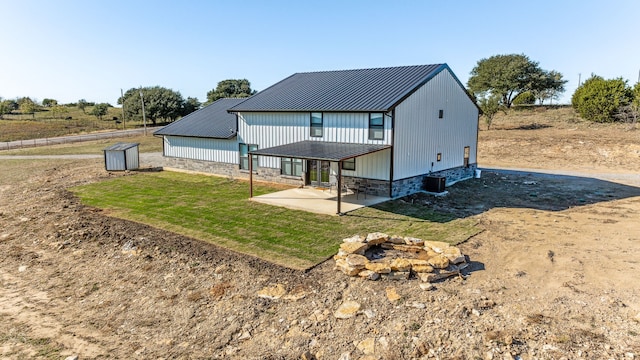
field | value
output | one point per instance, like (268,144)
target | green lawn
(218,210)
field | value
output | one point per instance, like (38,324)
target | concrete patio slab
(317,200)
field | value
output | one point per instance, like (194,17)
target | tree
(27,106)
(599,100)
(82,105)
(58,111)
(99,110)
(490,105)
(190,105)
(49,102)
(549,86)
(507,76)
(231,88)
(159,103)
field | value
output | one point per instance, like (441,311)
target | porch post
(250,175)
(339,186)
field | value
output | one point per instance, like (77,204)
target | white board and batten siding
(279,128)
(420,134)
(206,149)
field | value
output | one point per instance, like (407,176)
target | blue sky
(68,50)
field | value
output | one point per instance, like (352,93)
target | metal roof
(212,121)
(121,146)
(320,150)
(378,89)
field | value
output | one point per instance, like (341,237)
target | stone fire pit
(398,258)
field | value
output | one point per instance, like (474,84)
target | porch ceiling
(320,150)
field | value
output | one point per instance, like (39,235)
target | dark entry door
(319,171)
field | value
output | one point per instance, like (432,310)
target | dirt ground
(551,276)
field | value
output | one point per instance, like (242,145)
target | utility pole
(123,121)
(144,118)
(579,75)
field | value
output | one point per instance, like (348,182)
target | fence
(19,144)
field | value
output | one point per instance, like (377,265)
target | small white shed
(122,156)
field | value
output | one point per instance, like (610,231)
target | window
(349,164)
(440,114)
(291,166)
(244,156)
(316,125)
(439,157)
(376,126)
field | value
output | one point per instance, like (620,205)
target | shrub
(599,100)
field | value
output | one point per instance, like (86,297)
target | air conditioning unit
(434,184)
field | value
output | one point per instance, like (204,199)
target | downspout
(339,186)
(250,174)
(393,117)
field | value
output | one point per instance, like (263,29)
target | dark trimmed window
(316,124)
(439,157)
(349,164)
(244,156)
(376,126)
(440,114)
(291,166)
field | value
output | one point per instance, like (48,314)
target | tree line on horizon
(159,102)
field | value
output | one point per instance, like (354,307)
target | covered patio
(319,199)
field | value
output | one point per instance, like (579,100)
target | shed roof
(121,146)
(212,121)
(320,150)
(378,89)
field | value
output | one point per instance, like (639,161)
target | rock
(342,265)
(418,262)
(369,275)
(376,238)
(392,294)
(245,335)
(408,248)
(345,356)
(357,261)
(400,264)
(422,268)
(4,236)
(307,356)
(384,343)
(395,239)
(354,248)
(272,292)
(72,357)
(397,275)
(432,277)
(439,261)
(354,239)
(22,268)
(427,286)
(437,246)
(367,346)
(347,309)
(378,267)
(475,312)
(370,314)
(413,241)
(454,255)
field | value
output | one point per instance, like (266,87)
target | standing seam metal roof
(212,121)
(378,89)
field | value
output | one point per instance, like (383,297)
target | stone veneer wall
(231,170)
(414,184)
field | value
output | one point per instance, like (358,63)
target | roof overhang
(320,150)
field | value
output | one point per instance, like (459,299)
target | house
(388,127)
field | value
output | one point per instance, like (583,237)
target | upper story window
(244,156)
(376,126)
(316,124)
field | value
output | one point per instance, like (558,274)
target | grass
(218,210)
(44,125)
(148,143)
